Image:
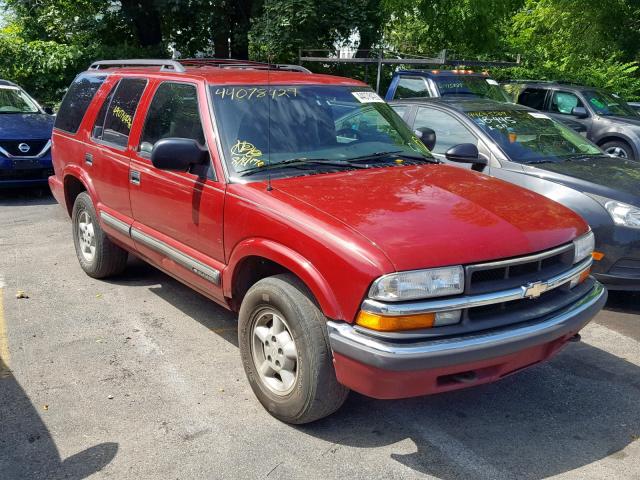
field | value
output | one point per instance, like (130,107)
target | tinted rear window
(76,101)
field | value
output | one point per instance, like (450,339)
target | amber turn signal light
(391,324)
(597,255)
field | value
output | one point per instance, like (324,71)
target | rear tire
(619,149)
(99,257)
(285,351)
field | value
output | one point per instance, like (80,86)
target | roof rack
(178,65)
(170,65)
(233,63)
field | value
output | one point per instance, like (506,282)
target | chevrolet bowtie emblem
(534,290)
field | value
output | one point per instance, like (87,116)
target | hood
(25,126)
(632,121)
(610,177)
(435,215)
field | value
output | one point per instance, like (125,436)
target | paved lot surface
(140,378)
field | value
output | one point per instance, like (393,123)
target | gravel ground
(140,377)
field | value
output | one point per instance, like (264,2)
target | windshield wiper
(396,153)
(298,163)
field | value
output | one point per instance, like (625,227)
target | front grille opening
(489,275)
(524,269)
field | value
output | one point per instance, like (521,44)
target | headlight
(583,247)
(412,285)
(623,214)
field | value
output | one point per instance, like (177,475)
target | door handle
(134,177)
(88,159)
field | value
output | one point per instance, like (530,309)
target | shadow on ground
(575,410)
(579,408)
(27,450)
(26,196)
(623,302)
(205,311)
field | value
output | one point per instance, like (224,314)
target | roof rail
(233,63)
(170,65)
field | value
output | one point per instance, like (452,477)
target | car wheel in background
(618,149)
(98,256)
(285,351)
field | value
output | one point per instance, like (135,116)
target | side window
(449,130)
(400,109)
(115,118)
(533,97)
(564,102)
(77,101)
(173,113)
(410,87)
(98,126)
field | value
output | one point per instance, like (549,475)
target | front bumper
(384,368)
(25,172)
(620,267)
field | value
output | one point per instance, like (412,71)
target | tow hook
(575,338)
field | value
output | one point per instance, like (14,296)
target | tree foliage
(44,43)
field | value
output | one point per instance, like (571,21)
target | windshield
(15,100)
(263,128)
(530,137)
(467,85)
(606,104)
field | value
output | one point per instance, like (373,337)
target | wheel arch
(74,182)
(258,258)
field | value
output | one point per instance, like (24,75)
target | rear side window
(115,118)
(533,97)
(410,87)
(77,101)
(173,113)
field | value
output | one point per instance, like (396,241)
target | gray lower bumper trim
(399,356)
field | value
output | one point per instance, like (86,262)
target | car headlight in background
(403,286)
(583,247)
(623,213)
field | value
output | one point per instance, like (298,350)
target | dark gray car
(611,123)
(528,148)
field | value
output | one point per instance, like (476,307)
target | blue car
(25,139)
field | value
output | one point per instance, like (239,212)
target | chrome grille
(12,147)
(505,274)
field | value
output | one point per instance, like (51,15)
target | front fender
(289,259)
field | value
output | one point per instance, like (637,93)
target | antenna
(269,98)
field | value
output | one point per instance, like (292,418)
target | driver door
(178,215)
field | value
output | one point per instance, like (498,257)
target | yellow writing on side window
(244,154)
(123,116)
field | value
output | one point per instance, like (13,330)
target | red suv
(303,202)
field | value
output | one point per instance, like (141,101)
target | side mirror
(466,153)
(427,136)
(579,112)
(48,110)
(177,154)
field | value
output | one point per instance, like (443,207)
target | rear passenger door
(177,215)
(108,157)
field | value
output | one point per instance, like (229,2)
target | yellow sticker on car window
(244,154)
(123,116)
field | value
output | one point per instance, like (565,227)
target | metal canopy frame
(396,59)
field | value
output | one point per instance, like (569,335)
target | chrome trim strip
(529,258)
(199,268)
(470,301)
(29,157)
(116,224)
(346,332)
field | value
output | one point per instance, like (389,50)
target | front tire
(99,257)
(285,351)
(618,149)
